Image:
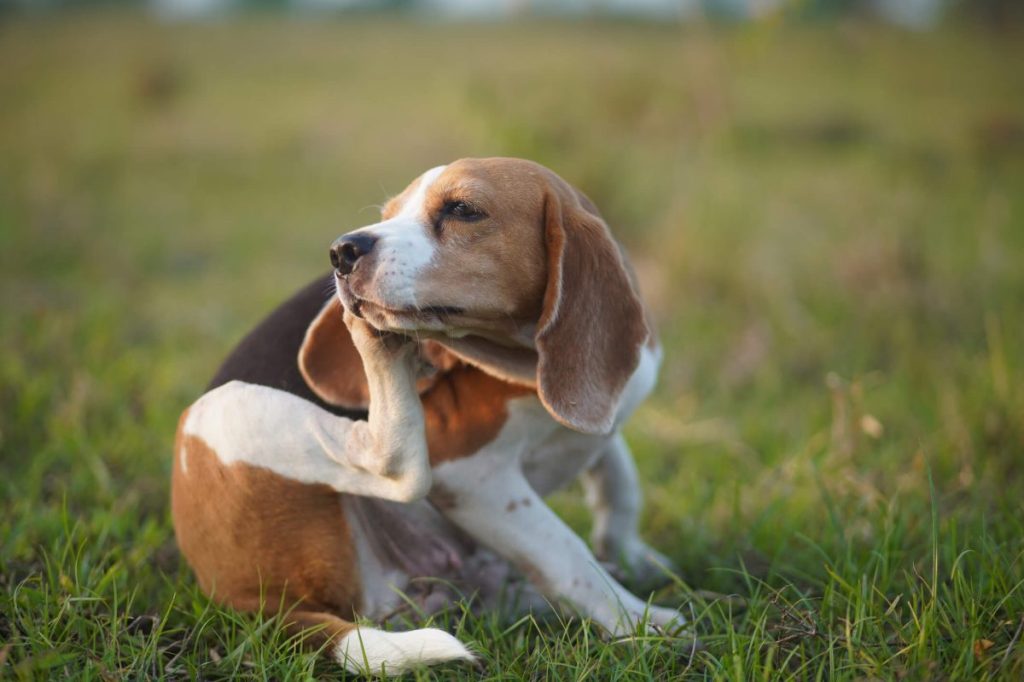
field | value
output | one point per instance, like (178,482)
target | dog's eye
(463,210)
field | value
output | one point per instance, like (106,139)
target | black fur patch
(268,355)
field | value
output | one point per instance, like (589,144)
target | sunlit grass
(827,220)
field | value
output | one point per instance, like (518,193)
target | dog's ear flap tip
(582,423)
(590,406)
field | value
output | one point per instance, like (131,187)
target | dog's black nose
(348,249)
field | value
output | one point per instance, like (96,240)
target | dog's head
(500,259)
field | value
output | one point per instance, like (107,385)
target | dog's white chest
(550,455)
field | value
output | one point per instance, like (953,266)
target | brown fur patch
(465,410)
(333,369)
(495,266)
(329,361)
(537,252)
(593,324)
(318,629)
(250,534)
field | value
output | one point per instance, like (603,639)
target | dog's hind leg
(385,456)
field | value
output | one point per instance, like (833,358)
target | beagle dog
(397,424)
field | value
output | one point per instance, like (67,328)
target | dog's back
(267,356)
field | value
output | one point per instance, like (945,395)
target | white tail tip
(368,650)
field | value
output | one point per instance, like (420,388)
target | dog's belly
(409,554)
(396,545)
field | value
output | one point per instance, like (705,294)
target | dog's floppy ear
(329,361)
(592,324)
(333,369)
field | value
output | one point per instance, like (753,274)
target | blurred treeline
(914,14)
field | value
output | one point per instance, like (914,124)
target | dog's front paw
(639,619)
(647,626)
(373,343)
(677,635)
(637,565)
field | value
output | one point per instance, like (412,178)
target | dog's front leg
(385,456)
(497,506)
(613,495)
(392,442)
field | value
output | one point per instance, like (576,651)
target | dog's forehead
(510,181)
(504,174)
(411,199)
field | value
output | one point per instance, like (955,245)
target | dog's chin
(429,322)
(402,321)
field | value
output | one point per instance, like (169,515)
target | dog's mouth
(373,311)
(443,310)
(430,312)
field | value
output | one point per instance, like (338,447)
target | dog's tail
(366,650)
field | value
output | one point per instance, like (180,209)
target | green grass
(827,220)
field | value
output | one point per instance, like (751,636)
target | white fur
(613,495)
(372,651)
(266,427)
(640,384)
(612,486)
(498,507)
(413,208)
(403,247)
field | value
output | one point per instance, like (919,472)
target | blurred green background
(827,219)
